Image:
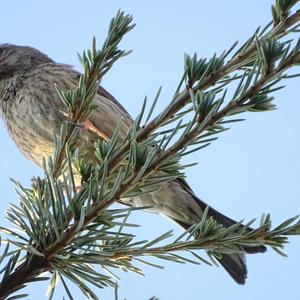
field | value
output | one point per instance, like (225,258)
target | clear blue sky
(251,169)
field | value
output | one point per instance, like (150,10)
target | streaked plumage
(32,111)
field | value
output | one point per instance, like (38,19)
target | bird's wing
(175,198)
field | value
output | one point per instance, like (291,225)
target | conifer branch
(75,234)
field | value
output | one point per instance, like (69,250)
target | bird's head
(19,59)
(16,61)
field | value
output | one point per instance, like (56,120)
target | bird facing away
(32,111)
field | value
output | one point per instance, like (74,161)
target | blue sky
(253,168)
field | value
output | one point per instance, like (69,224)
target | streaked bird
(32,111)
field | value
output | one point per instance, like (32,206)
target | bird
(32,111)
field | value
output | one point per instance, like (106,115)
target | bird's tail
(177,201)
(234,264)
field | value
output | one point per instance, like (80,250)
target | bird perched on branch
(32,111)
